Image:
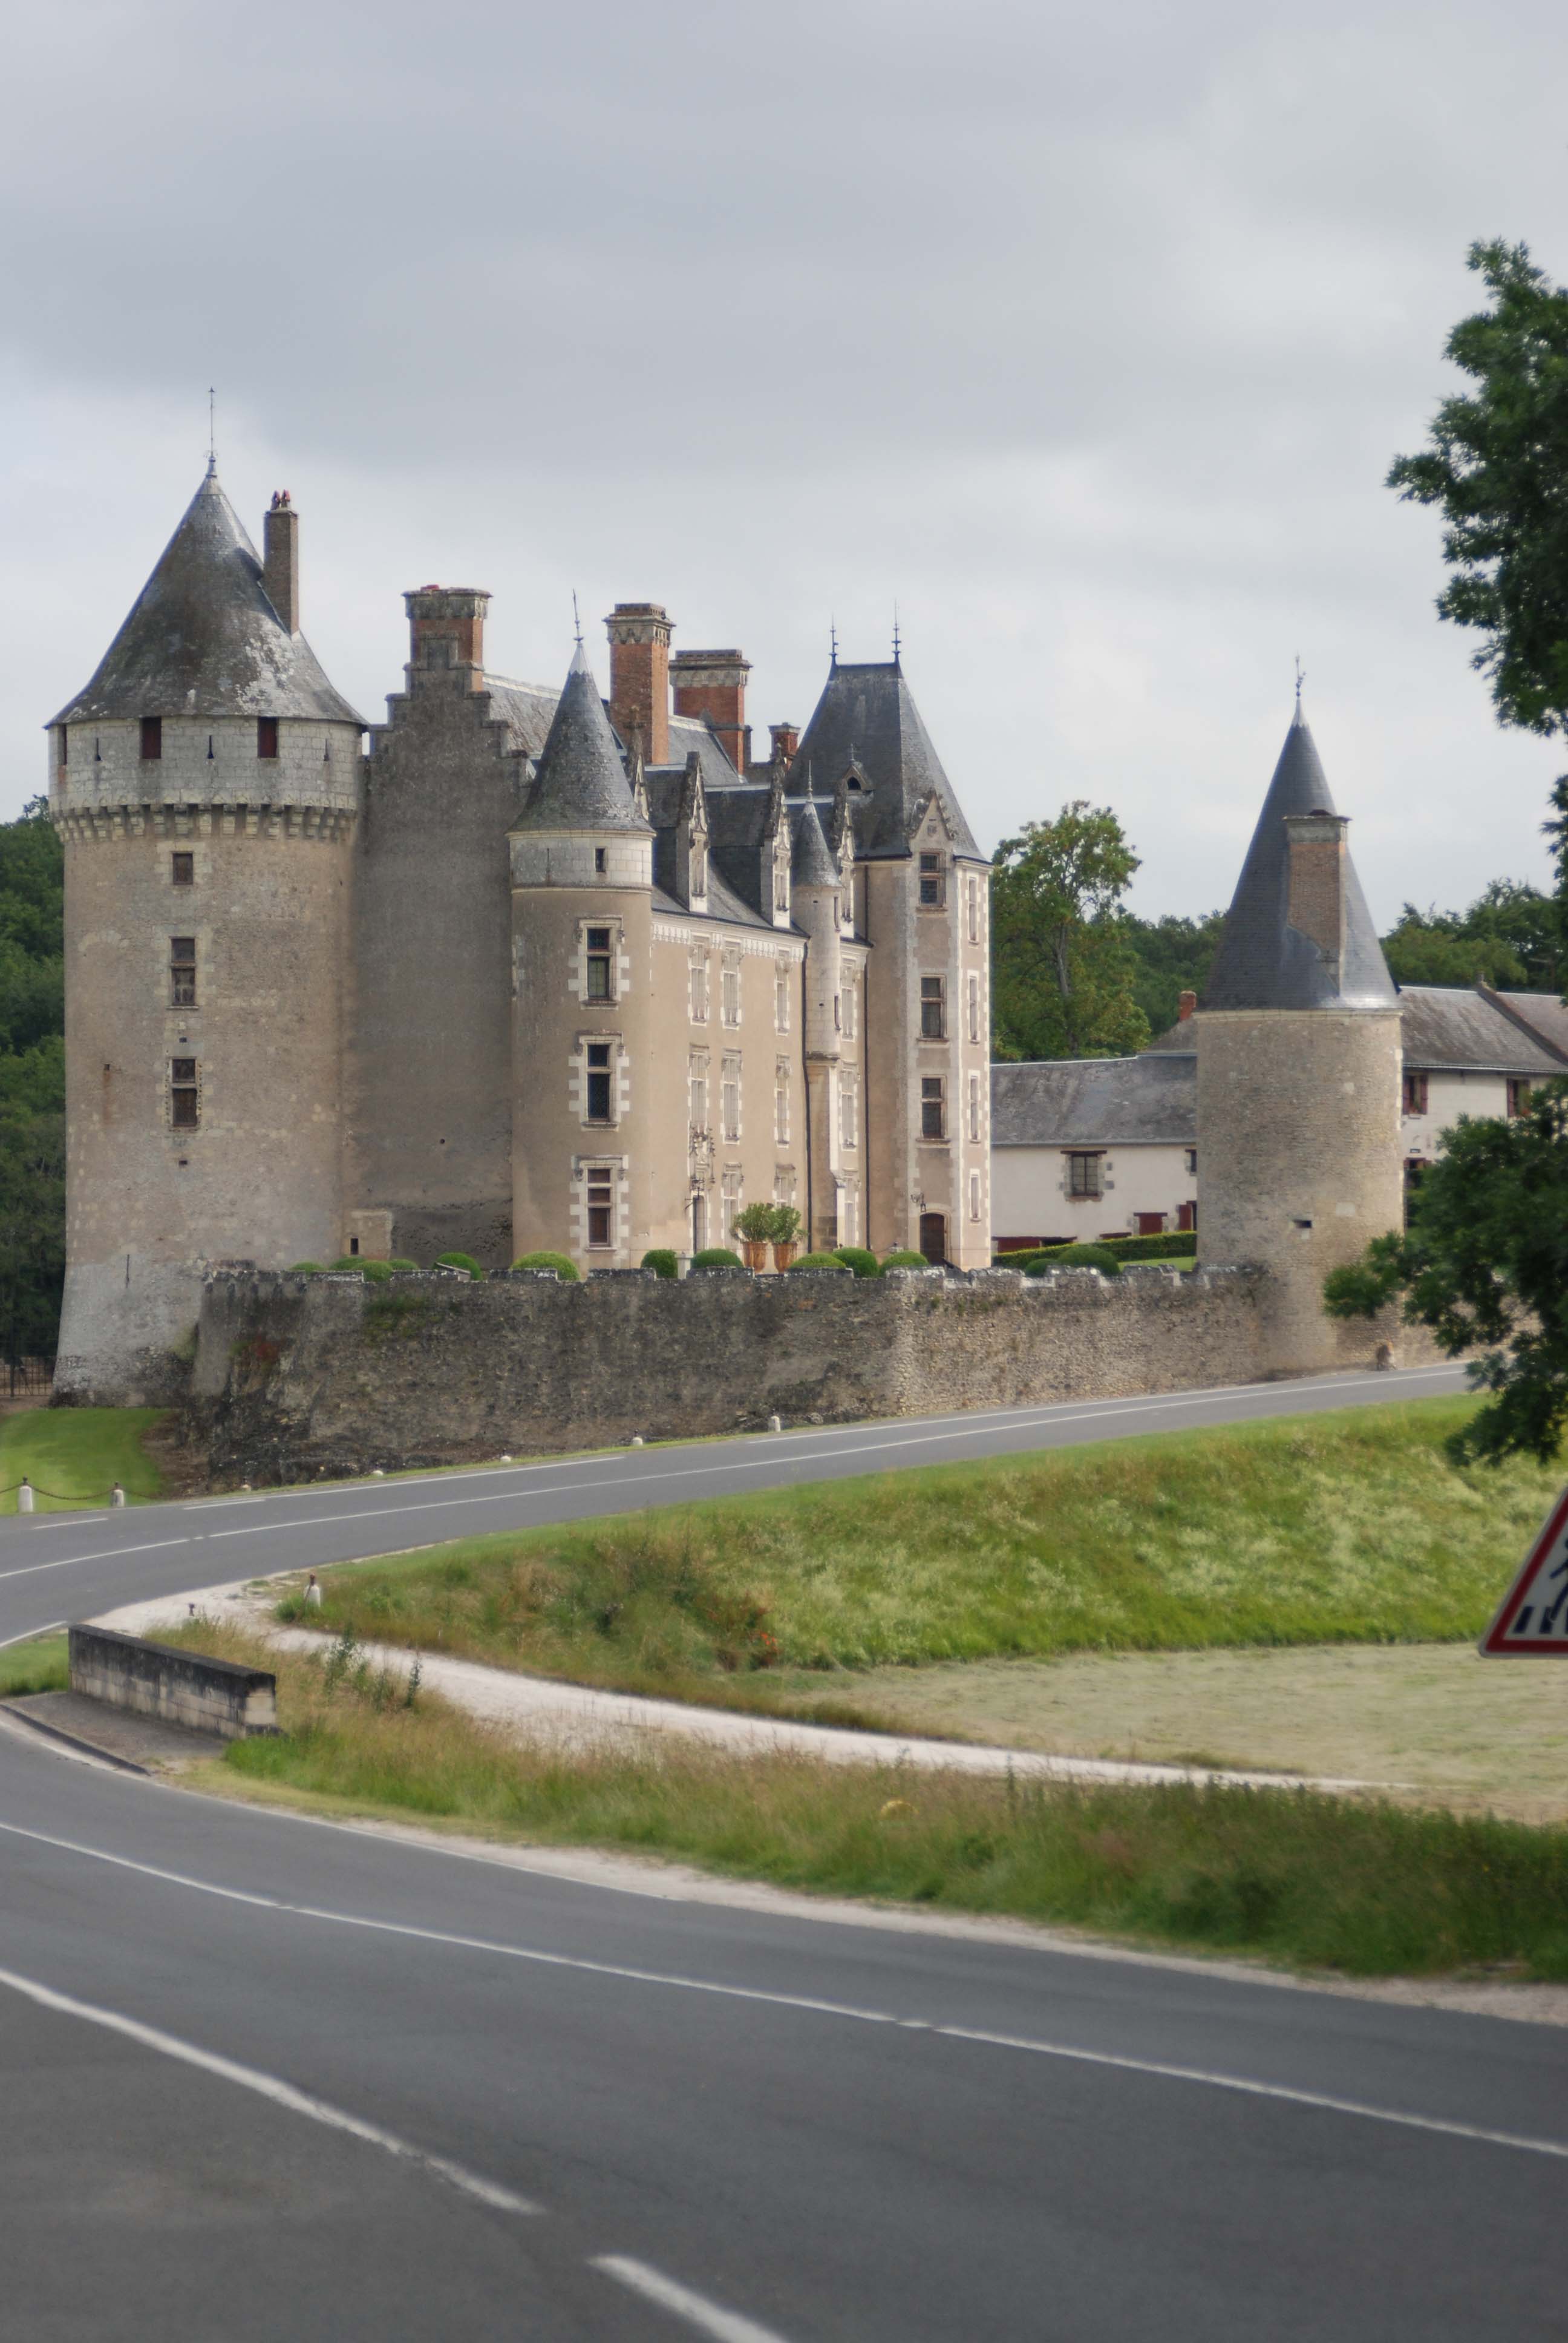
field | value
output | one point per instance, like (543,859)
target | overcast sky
(1086,336)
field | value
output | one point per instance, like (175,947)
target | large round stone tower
(205,785)
(1299,1070)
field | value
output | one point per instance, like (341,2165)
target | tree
(1484,1265)
(32,1084)
(1064,969)
(1172,956)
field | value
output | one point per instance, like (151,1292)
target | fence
(26,1378)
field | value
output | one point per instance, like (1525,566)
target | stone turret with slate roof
(866,723)
(581,781)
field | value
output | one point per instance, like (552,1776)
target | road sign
(1533,1617)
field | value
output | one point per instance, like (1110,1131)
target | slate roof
(527,709)
(1447,1028)
(203,640)
(736,818)
(1263,963)
(867,715)
(813,862)
(1543,1016)
(1144,1102)
(580,783)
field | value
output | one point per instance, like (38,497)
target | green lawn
(38,1665)
(1351,1527)
(73,1455)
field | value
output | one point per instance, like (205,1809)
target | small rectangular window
(184,1097)
(1083,1175)
(152,737)
(974,1008)
(267,736)
(599,861)
(182,973)
(974,1106)
(731,996)
(65,744)
(598,964)
(700,992)
(973,892)
(933,1107)
(600,1206)
(1519,1090)
(848,1135)
(850,1012)
(933,1008)
(1415,1093)
(1191,1163)
(598,1080)
(933,885)
(974,1196)
(781,997)
(182,870)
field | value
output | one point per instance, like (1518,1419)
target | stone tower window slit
(181,869)
(152,737)
(267,736)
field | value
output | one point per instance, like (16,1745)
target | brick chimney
(712,684)
(1316,902)
(446,635)
(280,563)
(640,636)
(1186,1002)
(784,739)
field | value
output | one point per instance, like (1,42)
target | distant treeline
(31,1085)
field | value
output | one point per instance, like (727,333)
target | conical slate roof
(814,863)
(1263,963)
(580,783)
(866,715)
(203,640)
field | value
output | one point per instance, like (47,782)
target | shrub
(565,1268)
(306,1269)
(398,1263)
(754,1224)
(377,1272)
(459,1261)
(902,1258)
(857,1259)
(1074,1256)
(785,1224)
(347,1265)
(662,1261)
(716,1257)
(818,1260)
(1171,1244)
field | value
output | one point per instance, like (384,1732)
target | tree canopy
(1064,969)
(32,1084)
(1509,937)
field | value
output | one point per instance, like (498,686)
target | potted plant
(754,1227)
(785,1233)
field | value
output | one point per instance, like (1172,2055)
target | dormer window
(699,867)
(267,736)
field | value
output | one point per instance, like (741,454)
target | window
(974,1007)
(731,995)
(1191,1163)
(700,991)
(696,1086)
(267,736)
(1518,1095)
(973,891)
(780,881)
(600,1205)
(934,1107)
(65,757)
(933,883)
(1415,1093)
(182,973)
(848,1134)
(933,1008)
(849,1216)
(1187,1216)
(729,1098)
(1149,1225)
(698,867)
(850,1011)
(974,1196)
(598,964)
(181,869)
(837,1012)
(784,1185)
(731,1190)
(598,1081)
(152,737)
(781,1102)
(1083,1175)
(599,863)
(781,997)
(184,1112)
(974,1106)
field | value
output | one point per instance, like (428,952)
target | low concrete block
(209,1695)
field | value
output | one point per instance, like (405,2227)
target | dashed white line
(726,2326)
(269,2086)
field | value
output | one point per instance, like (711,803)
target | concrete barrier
(182,1687)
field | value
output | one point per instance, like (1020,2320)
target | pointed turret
(203,640)
(581,783)
(814,862)
(866,721)
(1298,934)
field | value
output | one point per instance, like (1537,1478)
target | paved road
(274,2080)
(56,1566)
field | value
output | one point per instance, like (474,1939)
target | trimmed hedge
(662,1261)
(459,1261)
(856,1258)
(717,1257)
(305,1268)
(403,1267)
(565,1268)
(1174,1244)
(902,1258)
(379,1272)
(1073,1256)
(818,1261)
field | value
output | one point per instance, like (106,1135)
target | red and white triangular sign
(1532,1616)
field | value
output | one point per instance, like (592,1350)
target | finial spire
(1301,679)
(895,634)
(832,642)
(576,620)
(211,433)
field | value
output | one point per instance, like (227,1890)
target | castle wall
(292,1375)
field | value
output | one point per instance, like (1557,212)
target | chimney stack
(1315,905)
(784,739)
(712,684)
(1186,1002)
(446,635)
(640,636)
(280,565)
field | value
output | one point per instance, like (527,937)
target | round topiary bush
(565,1268)
(377,1272)
(818,1261)
(403,1267)
(347,1265)
(459,1261)
(902,1258)
(1078,1256)
(857,1259)
(662,1261)
(717,1257)
(305,1268)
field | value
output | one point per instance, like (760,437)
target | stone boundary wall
(293,1376)
(182,1687)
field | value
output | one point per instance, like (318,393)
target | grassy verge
(1366,1889)
(39,1666)
(1339,1528)
(74,1455)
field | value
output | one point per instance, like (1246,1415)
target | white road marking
(727,2326)
(270,2086)
(1208,2078)
(110,1553)
(31,1635)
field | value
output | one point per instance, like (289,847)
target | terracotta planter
(783,1254)
(756,1252)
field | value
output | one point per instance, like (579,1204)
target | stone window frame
(850,1107)
(783,991)
(619,972)
(1083,1173)
(731,1079)
(933,1110)
(933,1005)
(975,1109)
(182,964)
(184,1085)
(851,1009)
(732,988)
(578,1070)
(698,1068)
(974,1006)
(781,1087)
(972,918)
(590,1172)
(932,881)
(731,1195)
(182,867)
(699,997)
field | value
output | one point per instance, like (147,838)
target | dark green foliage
(565,1268)
(403,1268)
(1509,937)
(305,1268)
(662,1261)
(717,1257)
(1064,969)
(459,1261)
(32,1084)
(1484,1265)
(902,1258)
(1172,957)
(856,1258)
(755,1224)
(1171,1244)
(348,1265)
(818,1260)
(378,1272)
(1072,1256)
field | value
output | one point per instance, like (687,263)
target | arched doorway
(934,1237)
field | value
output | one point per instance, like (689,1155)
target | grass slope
(41,1665)
(74,1455)
(1351,1527)
(1368,1889)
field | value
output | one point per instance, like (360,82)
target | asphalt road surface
(267,2078)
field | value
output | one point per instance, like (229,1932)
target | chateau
(527,969)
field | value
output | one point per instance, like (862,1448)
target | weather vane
(576,620)
(833,642)
(1301,679)
(211,429)
(895,634)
